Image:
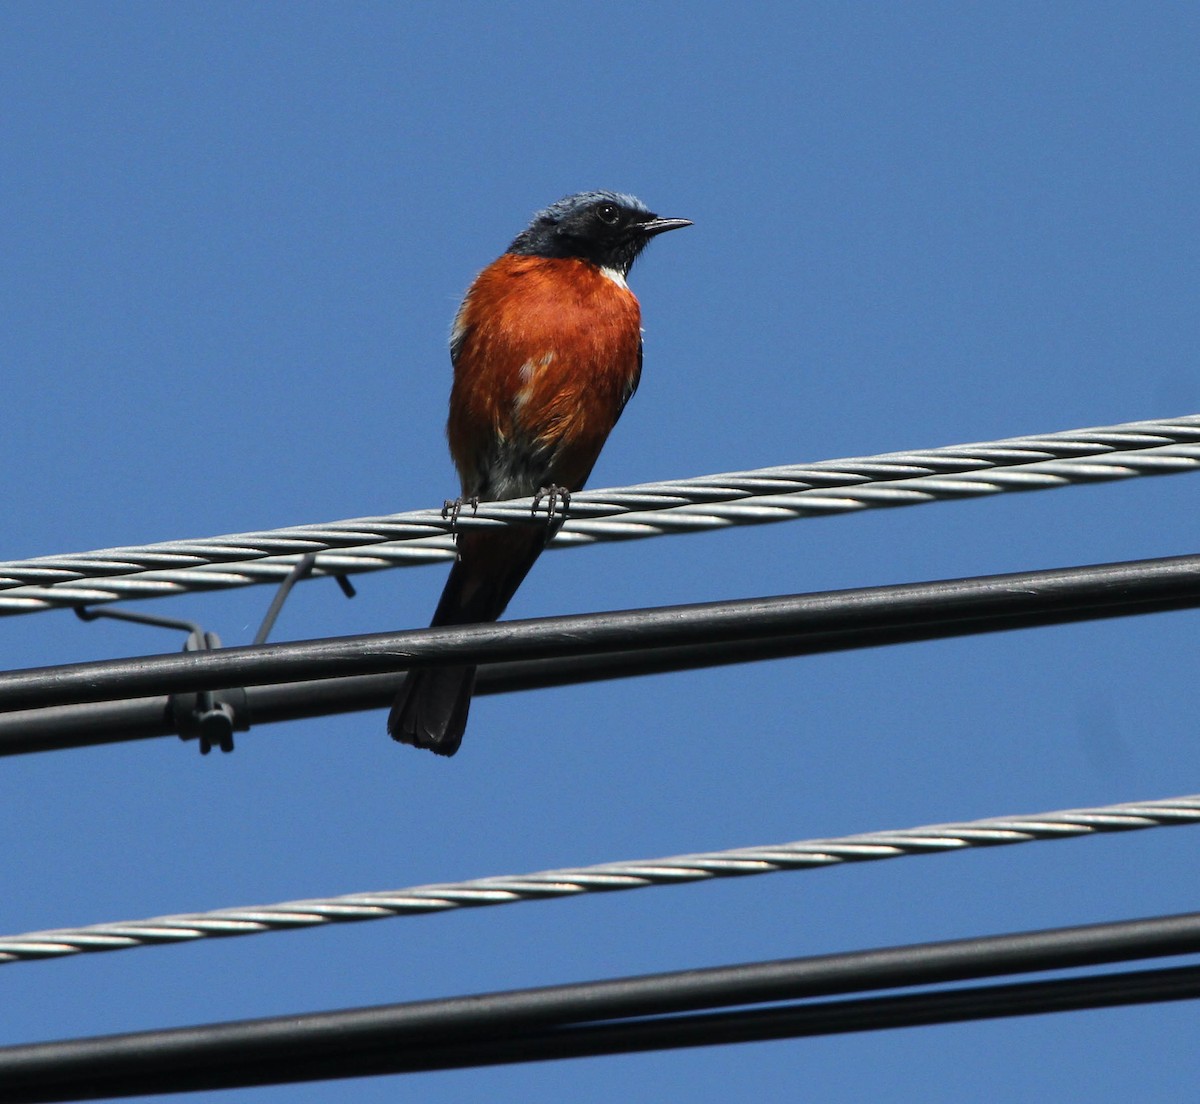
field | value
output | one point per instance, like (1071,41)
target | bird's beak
(662,225)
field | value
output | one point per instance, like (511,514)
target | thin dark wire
(608,1017)
(302,570)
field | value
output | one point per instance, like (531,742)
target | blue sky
(234,240)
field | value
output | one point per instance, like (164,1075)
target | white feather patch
(459,327)
(526,373)
(616,276)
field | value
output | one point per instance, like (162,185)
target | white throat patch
(616,276)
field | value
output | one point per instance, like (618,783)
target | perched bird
(547,350)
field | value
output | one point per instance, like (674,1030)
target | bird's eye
(608,212)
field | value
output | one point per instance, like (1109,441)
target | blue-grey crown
(609,229)
(556,212)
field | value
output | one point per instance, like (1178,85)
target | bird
(547,350)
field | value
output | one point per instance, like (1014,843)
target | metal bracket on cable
(210,716)
(213,716)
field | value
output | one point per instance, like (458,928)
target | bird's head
(607,228)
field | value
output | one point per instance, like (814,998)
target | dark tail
(430,710)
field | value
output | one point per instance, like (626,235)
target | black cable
(557,650)
(622,1037)
(609,1017)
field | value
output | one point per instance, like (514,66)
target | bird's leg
(555,496)
(452,507)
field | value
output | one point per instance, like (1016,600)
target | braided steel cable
(625,513)
(509,889)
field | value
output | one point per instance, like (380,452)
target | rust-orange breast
(547,352)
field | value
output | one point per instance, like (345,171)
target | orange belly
(547,351)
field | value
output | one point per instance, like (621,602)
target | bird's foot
(452,507)
(555,497)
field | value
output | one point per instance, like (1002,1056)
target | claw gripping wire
(624,513)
